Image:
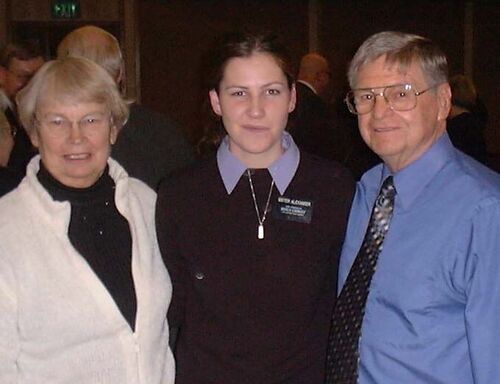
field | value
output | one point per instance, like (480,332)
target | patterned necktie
(343,354)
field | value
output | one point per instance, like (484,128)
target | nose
(75,133)
(381,106)
(256,107)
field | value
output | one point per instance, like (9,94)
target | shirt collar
(307,85)
(282,170)
(411,180)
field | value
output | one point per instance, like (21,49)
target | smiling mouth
(77,156)
(384,129)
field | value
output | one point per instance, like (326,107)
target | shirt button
(199,276)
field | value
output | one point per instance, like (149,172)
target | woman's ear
(293,99)
(113,134)
(215,102)
(33,134)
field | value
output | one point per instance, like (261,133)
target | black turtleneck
(100,234)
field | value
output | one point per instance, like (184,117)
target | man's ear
(215,102)
(444,100)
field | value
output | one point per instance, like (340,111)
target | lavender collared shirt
(282,170)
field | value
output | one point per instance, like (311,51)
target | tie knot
(385,198)
(388,190)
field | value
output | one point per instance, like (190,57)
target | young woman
(251,236)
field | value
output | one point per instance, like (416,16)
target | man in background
(465,126)
(149,145)
(311,123)
(8,179)
(18,63)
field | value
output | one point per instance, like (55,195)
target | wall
(174,34)
(486,66)
(32,20)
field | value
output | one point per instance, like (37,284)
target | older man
(420,291)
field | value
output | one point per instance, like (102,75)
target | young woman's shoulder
(195,176)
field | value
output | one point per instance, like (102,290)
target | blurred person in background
(465,126)
(8,179)
(150,145)
(18,63)
(311,122)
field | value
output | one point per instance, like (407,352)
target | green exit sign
(65,9)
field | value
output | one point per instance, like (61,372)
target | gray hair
(402,49)
(72,80)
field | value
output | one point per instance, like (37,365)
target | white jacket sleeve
(9,338)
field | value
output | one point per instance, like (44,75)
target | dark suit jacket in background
(23,150)
(466,133)
(311,125)
(8,180)
(150,146)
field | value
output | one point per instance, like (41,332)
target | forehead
(68,108)
(256,66)
(379,73)
(25,66)
(59,88)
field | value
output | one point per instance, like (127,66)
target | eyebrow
(382,86)
(272,83)
(59,114)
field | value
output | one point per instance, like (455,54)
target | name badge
(290,209)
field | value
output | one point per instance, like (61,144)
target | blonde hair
(94,44)
(71,80)
(401,49)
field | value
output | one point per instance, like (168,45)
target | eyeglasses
(400,97)
(56,125)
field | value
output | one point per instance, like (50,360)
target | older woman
(83,290)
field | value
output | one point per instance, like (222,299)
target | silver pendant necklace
(260,228)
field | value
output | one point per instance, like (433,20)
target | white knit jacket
(58,323)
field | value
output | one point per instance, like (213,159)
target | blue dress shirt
(433,311)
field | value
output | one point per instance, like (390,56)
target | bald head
(94,44)
(315,70)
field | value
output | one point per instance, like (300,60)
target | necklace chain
(260,229)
